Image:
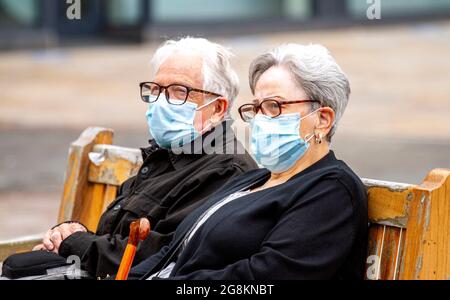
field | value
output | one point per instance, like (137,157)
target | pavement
(396,126)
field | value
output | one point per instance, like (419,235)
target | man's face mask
(172,126)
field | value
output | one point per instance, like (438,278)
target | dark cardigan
(314,226)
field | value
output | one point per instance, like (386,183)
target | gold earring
(318,138)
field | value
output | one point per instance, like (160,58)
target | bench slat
(75,180)
(18,245)
(385,249)
(112,164)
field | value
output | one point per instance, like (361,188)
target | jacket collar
(260,176)
(219,140)
(327,160)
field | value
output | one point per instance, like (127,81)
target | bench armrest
(22,244)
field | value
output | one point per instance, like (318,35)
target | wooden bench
(409,232)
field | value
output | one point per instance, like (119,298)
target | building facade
(46,22)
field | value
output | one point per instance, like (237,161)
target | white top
(164,273)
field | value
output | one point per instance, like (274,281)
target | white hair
(315,70)
(218,75)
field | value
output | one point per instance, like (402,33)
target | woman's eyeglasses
(269,107)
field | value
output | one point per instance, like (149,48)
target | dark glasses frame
(279,103)
(165,88)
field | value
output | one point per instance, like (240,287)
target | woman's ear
(326,120)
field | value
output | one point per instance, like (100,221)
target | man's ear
(326,120)
(220,107)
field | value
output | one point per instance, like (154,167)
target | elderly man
(193,87)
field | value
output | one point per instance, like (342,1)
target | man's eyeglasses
(150,92)
(269,107)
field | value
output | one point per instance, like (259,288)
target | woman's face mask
(276,142)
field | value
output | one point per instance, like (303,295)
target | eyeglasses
(150,92)
(269,107)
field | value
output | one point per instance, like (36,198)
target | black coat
(167,188)
(314,226)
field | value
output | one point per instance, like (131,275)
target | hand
(39,247)
(54,237)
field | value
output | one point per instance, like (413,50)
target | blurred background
(59,76)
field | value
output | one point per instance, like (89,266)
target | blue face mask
(171,125)
(276,143)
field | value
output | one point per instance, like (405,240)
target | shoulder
(329,178)
(337,169)
(245,179)
(346,192)
(244,162)
(240,162)
(348,179)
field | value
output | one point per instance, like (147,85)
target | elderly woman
(302,216)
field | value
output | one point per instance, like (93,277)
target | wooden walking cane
(139,231)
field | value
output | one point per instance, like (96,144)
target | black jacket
(167,188)
(314,226)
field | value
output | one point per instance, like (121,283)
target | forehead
(185,68)
(278,81)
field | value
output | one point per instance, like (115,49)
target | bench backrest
(409,230)
(409,233)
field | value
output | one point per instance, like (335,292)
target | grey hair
(315,70)
(218,75)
